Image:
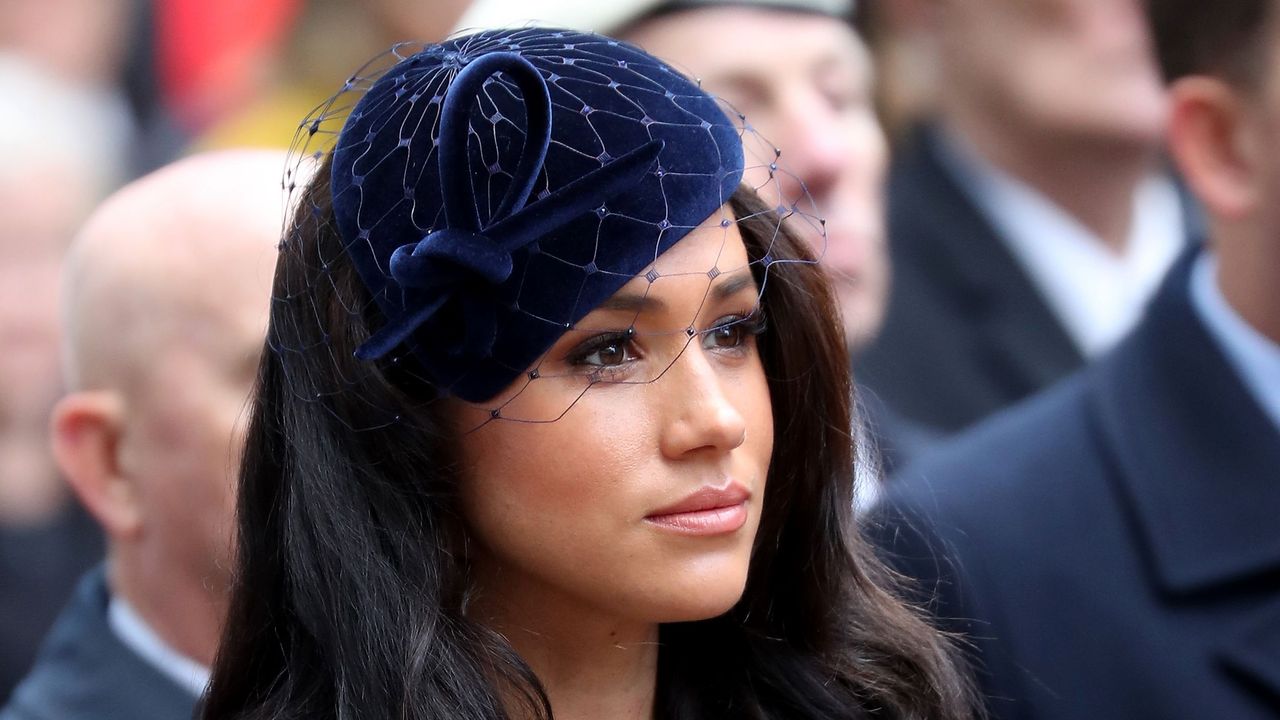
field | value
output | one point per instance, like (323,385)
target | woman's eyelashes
(609,354)
(606,350)
(733,332)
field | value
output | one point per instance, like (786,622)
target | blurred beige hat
(610,16)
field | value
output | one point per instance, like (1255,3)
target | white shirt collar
(136,635)
(1098,296)
(1254,356)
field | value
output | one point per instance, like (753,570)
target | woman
(554,420)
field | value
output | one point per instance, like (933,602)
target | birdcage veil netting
(490,192)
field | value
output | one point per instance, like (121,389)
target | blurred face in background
(1075,68)
(61,142)
(804,81)
(30,261)
(42,202)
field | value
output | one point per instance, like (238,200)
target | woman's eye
(607,356)
(733,331)
(724,336)
(605,352)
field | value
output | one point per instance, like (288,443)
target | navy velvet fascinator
(494,189)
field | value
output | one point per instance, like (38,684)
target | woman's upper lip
(707,498)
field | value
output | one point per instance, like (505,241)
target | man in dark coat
(1030,219)
(86,671)
(1112,547)
(166,294)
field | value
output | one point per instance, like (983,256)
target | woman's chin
(701,599)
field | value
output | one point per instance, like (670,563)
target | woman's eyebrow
(733,285)
(631,302)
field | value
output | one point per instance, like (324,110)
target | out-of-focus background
(999,206)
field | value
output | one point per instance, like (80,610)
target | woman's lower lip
(716,521)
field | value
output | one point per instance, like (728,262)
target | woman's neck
(591,665)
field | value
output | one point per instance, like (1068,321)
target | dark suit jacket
(84,672)
(39,569)
(967,331)
(1112,546)
(894,439)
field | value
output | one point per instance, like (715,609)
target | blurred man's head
(802,77)
(1222,60)
(804,81)
(1069,69)
(166,296)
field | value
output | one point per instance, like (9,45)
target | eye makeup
(611,355)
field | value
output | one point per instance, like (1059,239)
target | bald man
(166,294)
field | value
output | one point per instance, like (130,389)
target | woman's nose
(701,416)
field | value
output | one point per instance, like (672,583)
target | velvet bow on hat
(492,190)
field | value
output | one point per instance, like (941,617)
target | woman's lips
(708,511)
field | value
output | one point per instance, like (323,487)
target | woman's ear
(87,430)
(1214,143)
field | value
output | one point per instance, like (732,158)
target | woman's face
(641,501)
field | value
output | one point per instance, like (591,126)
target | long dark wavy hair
(351,577)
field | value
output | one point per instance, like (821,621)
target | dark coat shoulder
(1111,546)
(84,672)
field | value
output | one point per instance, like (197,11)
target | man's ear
(1215,145)
(87,433)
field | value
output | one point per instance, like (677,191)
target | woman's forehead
(706,269)
(709,258)
(714,247)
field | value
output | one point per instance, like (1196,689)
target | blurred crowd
(1059,279)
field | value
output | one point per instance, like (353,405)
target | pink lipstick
(708,511)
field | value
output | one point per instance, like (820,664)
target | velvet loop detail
(463,263)
(457,265)
(460,206)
